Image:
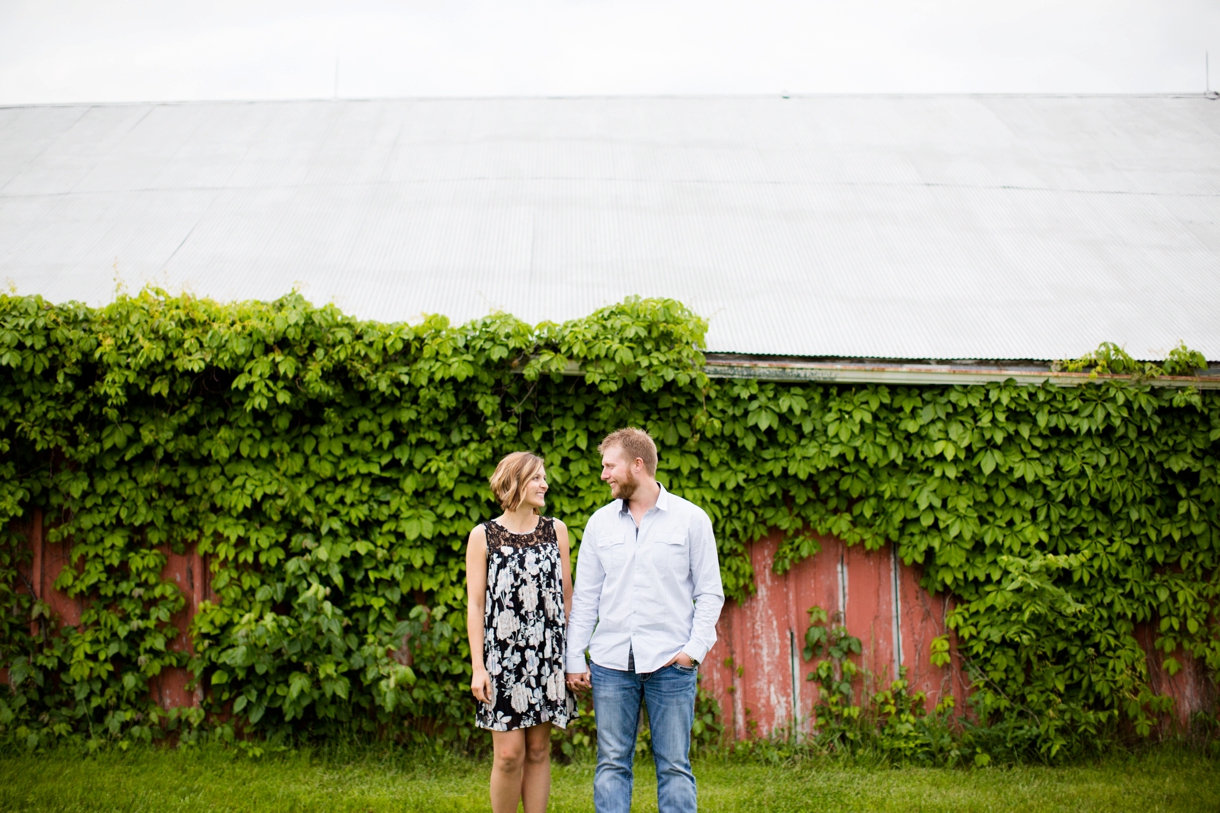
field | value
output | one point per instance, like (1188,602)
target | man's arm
(590,577)
(708,592)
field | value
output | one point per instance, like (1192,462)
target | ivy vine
(330,468)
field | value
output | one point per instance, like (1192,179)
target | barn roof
(893,227)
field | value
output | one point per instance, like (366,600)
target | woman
(520,592)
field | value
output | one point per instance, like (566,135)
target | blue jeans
(670,695)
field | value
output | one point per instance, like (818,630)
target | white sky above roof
(138,50)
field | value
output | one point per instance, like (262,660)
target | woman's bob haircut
(512,476)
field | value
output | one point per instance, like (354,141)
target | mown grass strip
(359,780)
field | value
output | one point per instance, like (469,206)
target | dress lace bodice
(499,537)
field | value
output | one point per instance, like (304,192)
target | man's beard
(625,488)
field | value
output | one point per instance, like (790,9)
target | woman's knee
(509,760)
(509,754)
(538,744)
(537,752)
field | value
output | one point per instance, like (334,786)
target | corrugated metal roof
(933,227)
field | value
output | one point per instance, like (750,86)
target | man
(648,595)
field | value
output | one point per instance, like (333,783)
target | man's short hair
(634,443)
(512,476)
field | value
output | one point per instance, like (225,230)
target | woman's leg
(507,767)
(536,781)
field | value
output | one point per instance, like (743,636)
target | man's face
(617,473)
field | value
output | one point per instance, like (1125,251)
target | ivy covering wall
(330,469)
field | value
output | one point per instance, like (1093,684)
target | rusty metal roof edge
(929,374)
(718,366)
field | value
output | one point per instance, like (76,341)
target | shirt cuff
(576,664)
(695,652)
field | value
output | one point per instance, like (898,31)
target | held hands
(480,685)
(580,681)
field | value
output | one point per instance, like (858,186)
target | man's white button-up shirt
(652,590)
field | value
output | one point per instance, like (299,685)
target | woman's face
(534,495)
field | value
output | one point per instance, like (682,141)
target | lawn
(362,780)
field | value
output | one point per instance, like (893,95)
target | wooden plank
(35,541)
(923,619)
(1190,688)
(169,687)
(815,583)
(869,615)
(55,557)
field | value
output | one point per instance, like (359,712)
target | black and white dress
(524,627)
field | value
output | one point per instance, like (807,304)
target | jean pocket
(686,670)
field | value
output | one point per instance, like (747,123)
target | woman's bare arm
(561,534)
(476,606)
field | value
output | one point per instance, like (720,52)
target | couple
(647,598)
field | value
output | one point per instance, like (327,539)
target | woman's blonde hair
(511,477)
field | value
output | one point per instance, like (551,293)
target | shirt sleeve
(708,590)
(590,577)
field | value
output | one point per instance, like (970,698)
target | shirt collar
(663,499)
(662,502)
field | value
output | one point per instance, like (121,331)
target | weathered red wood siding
(187,570)
(756,669)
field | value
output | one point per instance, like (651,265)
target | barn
(906,239)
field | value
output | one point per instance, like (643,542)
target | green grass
(364,779)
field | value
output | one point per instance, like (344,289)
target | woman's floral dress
(524,627)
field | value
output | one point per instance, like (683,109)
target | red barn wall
(756,670)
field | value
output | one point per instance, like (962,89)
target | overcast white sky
(134,50)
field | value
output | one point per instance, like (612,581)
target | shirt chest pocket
(672,552)
(613,553)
